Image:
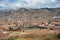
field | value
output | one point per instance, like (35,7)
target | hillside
(33,13)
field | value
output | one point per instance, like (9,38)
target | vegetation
(12,38)
(58,36)
(37,37)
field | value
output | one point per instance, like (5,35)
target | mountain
(32,13)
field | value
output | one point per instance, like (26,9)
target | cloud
(40,1)
(34,3)
(29,3)
(2,5)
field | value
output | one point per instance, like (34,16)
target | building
(4,35)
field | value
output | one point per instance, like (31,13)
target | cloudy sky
(13,4)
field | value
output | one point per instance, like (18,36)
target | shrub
(11,38)
(58,36)
(49,37)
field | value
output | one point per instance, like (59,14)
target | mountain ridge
(43,12)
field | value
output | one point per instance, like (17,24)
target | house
(4,35)
(4,28)
(56,23)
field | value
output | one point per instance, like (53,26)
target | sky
(14,4)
